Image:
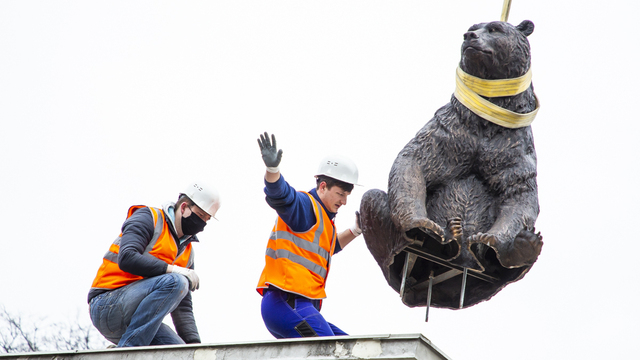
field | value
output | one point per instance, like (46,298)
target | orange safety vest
(298,262)
(162,245)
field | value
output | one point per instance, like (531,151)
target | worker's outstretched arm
(293,207)
(345,237)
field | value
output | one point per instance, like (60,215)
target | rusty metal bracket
(439,261)
(412,254)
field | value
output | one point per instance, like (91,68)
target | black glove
(270,153)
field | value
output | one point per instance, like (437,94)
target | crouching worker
(301,245)
(148,272)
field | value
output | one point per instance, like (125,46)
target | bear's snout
(470,35)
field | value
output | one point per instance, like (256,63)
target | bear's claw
(523,250)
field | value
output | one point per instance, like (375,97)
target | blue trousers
(132,315)
(301,320)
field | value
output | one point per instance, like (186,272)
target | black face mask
(192,224)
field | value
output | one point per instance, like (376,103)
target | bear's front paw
(522,250)
(482,238)
(420,229)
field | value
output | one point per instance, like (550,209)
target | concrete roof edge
(382,337)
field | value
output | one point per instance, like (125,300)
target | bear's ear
(526,27)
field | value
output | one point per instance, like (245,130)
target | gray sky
(109,104)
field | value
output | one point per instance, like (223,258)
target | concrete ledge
(396,347)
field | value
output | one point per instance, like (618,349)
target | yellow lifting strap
(488,110)
(496,88)
(506,7)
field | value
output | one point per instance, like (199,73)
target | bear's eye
(493,29)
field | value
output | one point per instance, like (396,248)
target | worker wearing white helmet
(303,240)
(148,271)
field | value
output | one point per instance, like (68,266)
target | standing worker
(301,245)
(148,272)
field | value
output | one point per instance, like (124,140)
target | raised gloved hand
(355,229)
(194,280)
(270,153)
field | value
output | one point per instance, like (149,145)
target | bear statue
(463,190)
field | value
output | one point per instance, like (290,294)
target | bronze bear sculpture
(464,189)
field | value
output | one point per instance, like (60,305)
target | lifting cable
(506,7)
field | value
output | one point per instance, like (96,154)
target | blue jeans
(284,321)
(132,315)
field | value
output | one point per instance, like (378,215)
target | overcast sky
(108,104)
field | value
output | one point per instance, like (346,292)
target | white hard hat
(205,196)
(340,168)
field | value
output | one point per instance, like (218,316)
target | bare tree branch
(20,335)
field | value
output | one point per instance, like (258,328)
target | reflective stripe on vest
(110,276)
(157,230)
(299,262)
(313,247)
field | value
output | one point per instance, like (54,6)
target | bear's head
(497,50)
